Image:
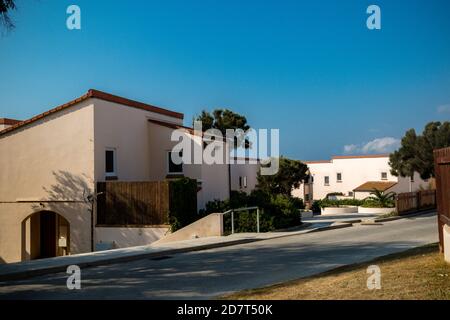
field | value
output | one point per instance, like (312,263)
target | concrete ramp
(209,226)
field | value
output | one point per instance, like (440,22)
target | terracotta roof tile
(9,122)
(99,95)
(377,185)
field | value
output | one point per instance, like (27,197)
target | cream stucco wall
(248,169)
(126,129)
(49,161)
(213,178)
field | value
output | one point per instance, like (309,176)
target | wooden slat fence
(415,201)
(442,174)
(133,203)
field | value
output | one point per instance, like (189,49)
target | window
(306,197)
(412,178)
(327,180)
(339,177)
(384,176)
(243,182)
(350,193)
(110,163)
(174,168)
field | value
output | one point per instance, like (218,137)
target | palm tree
(382,199)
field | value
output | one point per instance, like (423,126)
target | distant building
(354,177)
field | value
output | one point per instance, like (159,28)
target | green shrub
(276,211)
(376,204)
(324,203)
(182,203)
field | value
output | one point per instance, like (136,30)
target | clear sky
(310,68)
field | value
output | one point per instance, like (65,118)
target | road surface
(212,273)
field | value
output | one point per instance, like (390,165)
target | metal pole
(257,220)
(232,222)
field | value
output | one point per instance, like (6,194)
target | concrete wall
(446,234)
(127,236)
(209,226)
(52,161)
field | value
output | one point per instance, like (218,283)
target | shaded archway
(45,234)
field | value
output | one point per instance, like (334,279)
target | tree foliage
(416,151)
(223,119)
(381,199)
(5,8)
(290,175)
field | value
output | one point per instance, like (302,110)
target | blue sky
(311,69)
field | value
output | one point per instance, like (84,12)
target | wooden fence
(133,203)
(415,201)
(442,173)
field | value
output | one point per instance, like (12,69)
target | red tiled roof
(317,161)
(384,155)
(375,185)
(9,122)
(99,95)
(171,125)
(366,156)
(177,126)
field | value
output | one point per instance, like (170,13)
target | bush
(376,204)
(324,203)
(277,212)
(182,203)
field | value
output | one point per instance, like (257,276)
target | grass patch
(389,215)
(419,274)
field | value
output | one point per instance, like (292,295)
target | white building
(352,176)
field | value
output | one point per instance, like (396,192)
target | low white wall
(375,210)
(446,233)
(209,226)
(307,214)
(339,210)
(123,237)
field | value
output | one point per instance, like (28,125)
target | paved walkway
(44,266)
(339,218)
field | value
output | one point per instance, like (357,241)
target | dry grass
(419,273)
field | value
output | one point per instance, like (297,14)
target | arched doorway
(45,234)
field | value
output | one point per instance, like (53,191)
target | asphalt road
(212,273)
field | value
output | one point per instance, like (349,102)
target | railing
(415,201)
(233,211)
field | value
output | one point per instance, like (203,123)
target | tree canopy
(223,119)
(416,151)
(290,175)
(5,8)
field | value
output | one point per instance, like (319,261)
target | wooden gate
(442,172)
